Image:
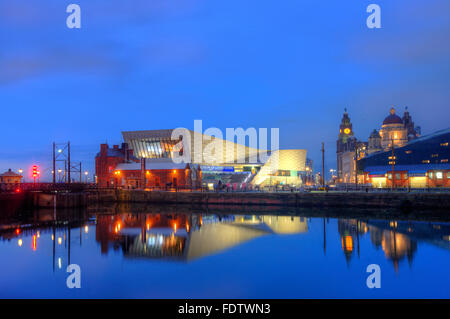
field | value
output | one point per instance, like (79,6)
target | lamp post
(356,164)
(86,175)
(323,165)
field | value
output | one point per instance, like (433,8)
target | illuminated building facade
(394,130)
(423,162)
(10,180)
(156,150)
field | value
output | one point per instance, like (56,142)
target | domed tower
(393,130)
(374,142)
(346,143)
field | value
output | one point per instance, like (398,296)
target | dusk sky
(143,65)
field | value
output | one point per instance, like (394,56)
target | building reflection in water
(396,246)
(350,230)
(189,236)
(397,239)
(31,227)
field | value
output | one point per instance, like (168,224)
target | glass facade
(155,147)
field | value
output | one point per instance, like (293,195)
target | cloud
(413,34)
(23,66)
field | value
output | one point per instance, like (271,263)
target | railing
(47,187)
(80,187)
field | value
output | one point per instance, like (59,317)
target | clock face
(347,131)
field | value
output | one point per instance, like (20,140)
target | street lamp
(20,172)
(86,174)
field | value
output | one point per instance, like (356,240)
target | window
(444,144)
(389,176)
(434,155)
(439,175)
(405,176)
(448,175)
(430,174)
(444,160)
(398,176)
(408,152)
(426,161)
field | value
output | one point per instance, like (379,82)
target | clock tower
(345,149)
(345,129)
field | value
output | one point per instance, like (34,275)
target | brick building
(107,160)
(118,167)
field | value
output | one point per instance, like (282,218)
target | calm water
(174,253)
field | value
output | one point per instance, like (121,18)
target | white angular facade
(267,168)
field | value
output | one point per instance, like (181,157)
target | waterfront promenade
(404,201)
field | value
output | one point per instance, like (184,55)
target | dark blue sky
(163,63)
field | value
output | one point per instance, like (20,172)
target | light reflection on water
(172,254)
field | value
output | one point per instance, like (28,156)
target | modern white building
(221,161)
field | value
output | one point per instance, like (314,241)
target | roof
(392,119)
(129,135)
(412,142)
(151,164)
(112,152)
(375,134)
(10,173)
(432,135)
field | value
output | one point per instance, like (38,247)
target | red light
(17,231)
(35,171)
(17,190)
(34,242)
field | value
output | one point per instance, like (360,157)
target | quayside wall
(411,200)
(408,201)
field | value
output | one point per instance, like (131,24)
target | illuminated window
(430,175)
(398,176)
(405,176)
(448,175)
(408,152)
(439,175)
(444,160)
(426,161)
(389,176)
(444,144)
(434,155)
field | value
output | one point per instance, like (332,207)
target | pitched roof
(10,173)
